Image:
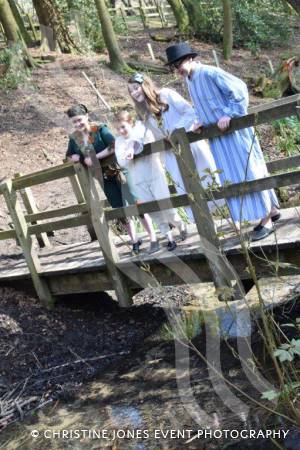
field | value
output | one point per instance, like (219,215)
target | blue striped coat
(216,93)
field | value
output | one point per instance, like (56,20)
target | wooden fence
(91,209)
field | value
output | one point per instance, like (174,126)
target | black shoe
(261,233)
(273,218)
(154,247)
(276,217)
(183,234)
(171,246)
(136,247)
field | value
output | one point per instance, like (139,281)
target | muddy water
(139,396)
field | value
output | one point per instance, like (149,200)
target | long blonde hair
(153,104)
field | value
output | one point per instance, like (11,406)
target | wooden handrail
(264,114)
(60,212)
(44,176)
(176,201)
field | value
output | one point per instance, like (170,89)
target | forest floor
(48,356)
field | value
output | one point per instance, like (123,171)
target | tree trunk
(26,36)
(295,4)
(12,31)
(10,26)
(53,28)
(227,29)
(117,62)
(181,16)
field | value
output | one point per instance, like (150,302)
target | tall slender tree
(180,14)
(54,30)
(116,59)
(26,36)
(12,31)
(227,29)
(295,4)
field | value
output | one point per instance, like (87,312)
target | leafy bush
(16,73)
(88,27)
(288,135)
(256,23)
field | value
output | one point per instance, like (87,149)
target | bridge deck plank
(87,257)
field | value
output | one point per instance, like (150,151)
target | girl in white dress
(172,111)
(146,174)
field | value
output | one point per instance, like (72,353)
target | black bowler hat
(179,51)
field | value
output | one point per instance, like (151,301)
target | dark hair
(77,110)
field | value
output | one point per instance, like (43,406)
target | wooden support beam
(43,176)
(80,199)
(62,224)
(7,234)
(60,212)
(284,163)
(219,266)
(25,240)
(31,208)
(264,114)
(273,181)
(91,183)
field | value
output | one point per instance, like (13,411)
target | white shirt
(144,169)
(180,113)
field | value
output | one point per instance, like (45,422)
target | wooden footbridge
(107,263)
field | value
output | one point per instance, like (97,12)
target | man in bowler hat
(218,97)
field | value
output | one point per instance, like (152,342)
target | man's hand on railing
(197,127)
(224,123)
(88,161)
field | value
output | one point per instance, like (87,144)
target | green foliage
(288,351)
(290,389)
(256,23)
(16,73)
(186,326)
(288,135)
(86,25)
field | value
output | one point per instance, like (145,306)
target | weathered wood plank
(7,234)
(44,176)
(267,113)
(62,224)
(273,181)
(80,199)
(31,208)
(91,184)
(284,163)
(78,259)
(197,199)
(22,232)
(60,212)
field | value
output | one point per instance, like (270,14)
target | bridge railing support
(22,233)
(221,273)
(91,182)
(80,199)
(31,208)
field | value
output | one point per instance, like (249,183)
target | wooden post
(21,229)
(160,13)
(143,16)
(123,14)
(31,208)
(221,272)
(80,199)
(91,182)
(32,27)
